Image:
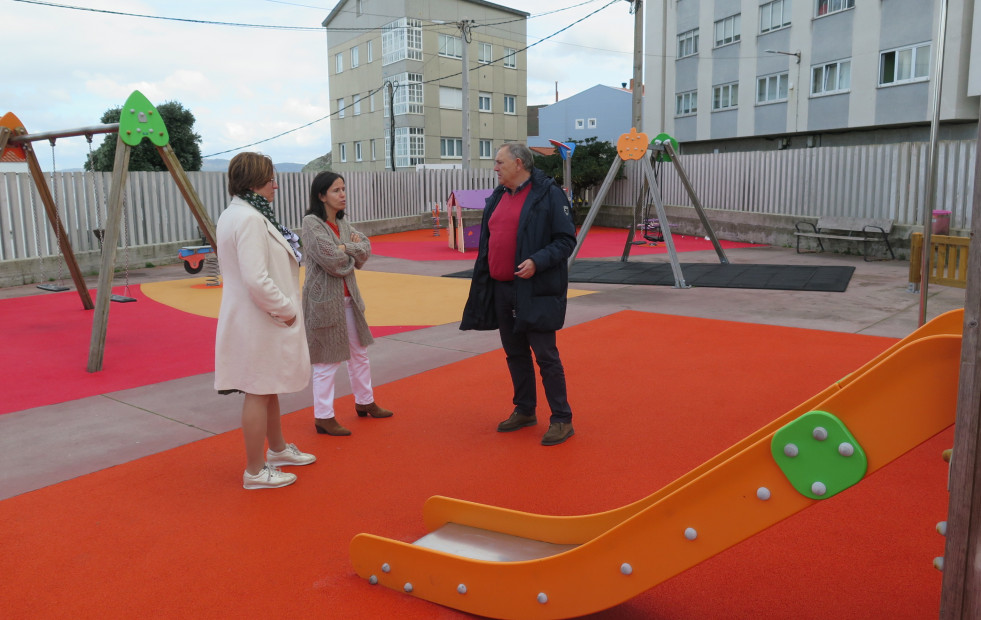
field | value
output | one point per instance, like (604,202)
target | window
(580,123)
(401,39)
(339,63)
(451,148)
(727,31)
(340,108)
(509,104)
(834,77)
(356,102)
(370,51)
(772,88)
(374,154)
(510,57)
(904,65)
(591,123)
(343,149)
(484,102)
(486,53)
(410,147)
(354,57)
(826,7)
(486,149)
(451,47)
(725,96)
(450,98)
(360,8)
(357,152)
(371,102)
(774,15)
(687,103)
(688,43)
(408,95)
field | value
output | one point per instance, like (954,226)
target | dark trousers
(518,348)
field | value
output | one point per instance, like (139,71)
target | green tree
(591,161)
(144,156)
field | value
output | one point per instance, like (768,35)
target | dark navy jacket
(546,235)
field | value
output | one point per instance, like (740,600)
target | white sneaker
(269,477)
(290,455)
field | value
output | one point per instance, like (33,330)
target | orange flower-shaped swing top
(632,145)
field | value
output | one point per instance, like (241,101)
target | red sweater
(503,229)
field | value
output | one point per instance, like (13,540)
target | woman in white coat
(260,347)
(336,327)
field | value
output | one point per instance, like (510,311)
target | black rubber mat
(833,279)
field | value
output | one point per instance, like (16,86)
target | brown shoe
(557,433)
(516,421)
(373,410)
(330,426)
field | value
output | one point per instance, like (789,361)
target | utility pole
(465,36)
(391,121)
(637,115)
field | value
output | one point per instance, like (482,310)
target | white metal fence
(883,181)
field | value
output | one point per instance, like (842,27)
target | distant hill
(221,165)
(214,165)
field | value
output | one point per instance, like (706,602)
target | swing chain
(37,233)
(59,230)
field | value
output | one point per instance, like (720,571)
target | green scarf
(264,207)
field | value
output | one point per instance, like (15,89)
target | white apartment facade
(396,70)
(772,74)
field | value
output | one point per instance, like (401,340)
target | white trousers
(358,371)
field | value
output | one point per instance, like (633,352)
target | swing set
(139,120)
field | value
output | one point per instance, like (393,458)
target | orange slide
(562,567)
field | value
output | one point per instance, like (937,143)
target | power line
(172,19)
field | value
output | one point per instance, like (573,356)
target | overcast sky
(65,67)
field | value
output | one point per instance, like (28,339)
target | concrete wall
(777,230)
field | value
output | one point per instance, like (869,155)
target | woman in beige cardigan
(332,305)
(260,347)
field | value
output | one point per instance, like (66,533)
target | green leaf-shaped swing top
(139,119)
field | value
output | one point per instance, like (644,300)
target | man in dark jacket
(519,285)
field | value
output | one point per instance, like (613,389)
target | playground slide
(560,567)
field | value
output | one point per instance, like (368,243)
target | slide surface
(562,567)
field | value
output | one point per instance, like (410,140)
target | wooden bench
(948,260)
(854,229)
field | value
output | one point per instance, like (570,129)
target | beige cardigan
(255,351)
(327,270)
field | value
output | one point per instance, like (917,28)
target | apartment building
(396,82)
(770,74)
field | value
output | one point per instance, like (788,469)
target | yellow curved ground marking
(390,298)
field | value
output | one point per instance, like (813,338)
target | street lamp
(795,54)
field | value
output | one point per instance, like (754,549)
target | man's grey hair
(519,151)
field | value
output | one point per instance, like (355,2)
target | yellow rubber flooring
(390,298)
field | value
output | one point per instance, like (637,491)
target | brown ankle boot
(330,426)
(373,410)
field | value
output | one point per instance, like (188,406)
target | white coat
(255,350)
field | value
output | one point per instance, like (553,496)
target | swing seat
(54,288)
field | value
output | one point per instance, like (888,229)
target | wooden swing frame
(19,139)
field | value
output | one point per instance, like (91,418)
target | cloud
(244,85)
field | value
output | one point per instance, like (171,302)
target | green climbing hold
(660,139)
(819,455)
(139,119)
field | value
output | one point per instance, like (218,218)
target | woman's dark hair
(321,183)
(247,171)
